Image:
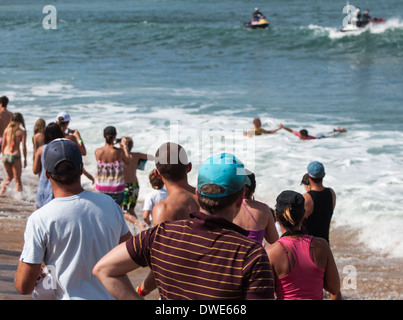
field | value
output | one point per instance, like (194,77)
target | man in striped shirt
(203,257)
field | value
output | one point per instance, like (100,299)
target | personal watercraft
(260,24)
(360,26)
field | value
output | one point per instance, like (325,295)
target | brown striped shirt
(204,257)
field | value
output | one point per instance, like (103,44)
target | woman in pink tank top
(303,265)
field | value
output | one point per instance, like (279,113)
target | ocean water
(188,71)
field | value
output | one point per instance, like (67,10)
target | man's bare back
(177,206)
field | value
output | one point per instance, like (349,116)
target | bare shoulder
(333,193)
(182,201)
(98,152)
(262,210)
(133,158)
(307,196)
(23,133)
(160,213)
(177,206)
(262,206)
(274,250)
(321,252)
(320,245)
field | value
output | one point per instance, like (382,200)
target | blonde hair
(287,216)
(40,126)
(14,124)
(290,217)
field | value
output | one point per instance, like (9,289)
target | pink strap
(286,253)
(249,213)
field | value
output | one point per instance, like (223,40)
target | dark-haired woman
(255,216)
(110,174)
(44,194)
(302,265)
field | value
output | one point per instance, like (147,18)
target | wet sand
(364,275)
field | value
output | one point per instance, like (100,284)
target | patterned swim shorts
(130,196)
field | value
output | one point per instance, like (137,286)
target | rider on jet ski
(366,18)
(257,15)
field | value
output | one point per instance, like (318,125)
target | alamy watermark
(50,280)
(350,280)
(199,144)
(350,11)
(50,20)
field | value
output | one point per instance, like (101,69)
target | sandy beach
(364,275)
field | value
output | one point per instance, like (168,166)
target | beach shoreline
(364,275)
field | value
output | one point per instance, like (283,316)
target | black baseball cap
(291,199)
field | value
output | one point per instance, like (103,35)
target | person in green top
(258,130)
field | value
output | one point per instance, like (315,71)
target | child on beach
(13,137)
(158,194)
(132,188)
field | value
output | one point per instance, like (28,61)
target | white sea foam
(368,184)
(335,33)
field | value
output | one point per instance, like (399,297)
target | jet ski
(360,26)
(261,24)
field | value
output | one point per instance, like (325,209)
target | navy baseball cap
(224,170)
(316,170)
(62,150)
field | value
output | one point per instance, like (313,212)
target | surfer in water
(303,134)
(258,130)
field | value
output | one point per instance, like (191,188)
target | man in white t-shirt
(69,234)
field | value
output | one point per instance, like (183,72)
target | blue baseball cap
(224,170)
(62,150)
(316,170)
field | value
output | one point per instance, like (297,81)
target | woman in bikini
(13,137)
(255,216)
